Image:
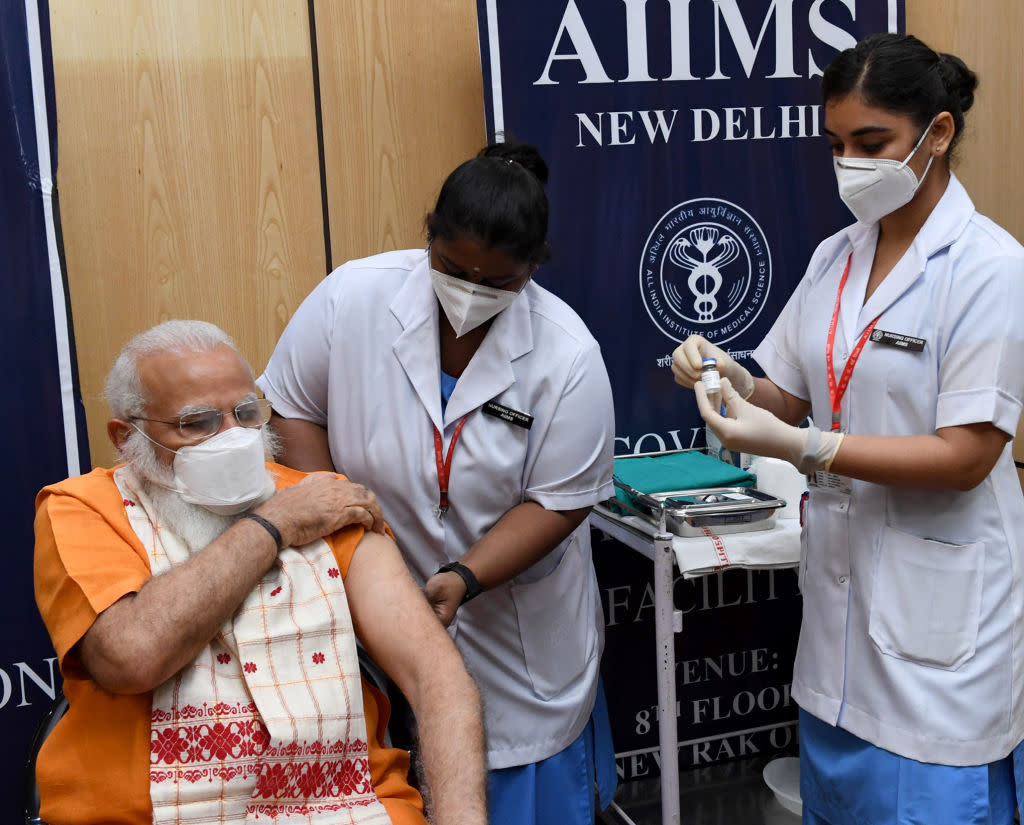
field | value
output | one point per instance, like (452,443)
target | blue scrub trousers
(847,781)
(559,790)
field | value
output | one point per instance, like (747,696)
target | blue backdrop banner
(690,181)
(41,415)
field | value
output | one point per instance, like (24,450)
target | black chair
(46,725)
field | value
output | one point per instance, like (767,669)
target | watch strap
(275,534)
(473,588)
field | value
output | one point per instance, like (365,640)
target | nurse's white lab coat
(913,625)
(362,353)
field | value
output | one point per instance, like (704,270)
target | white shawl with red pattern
(267,721)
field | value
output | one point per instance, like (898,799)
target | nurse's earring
(944,126)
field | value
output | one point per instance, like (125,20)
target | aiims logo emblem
(706,269)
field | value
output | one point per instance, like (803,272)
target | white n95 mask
(226,474)
(872,188)
(466,304)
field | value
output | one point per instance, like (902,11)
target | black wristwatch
(473,588)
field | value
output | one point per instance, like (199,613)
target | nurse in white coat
(904,342)
(476,405)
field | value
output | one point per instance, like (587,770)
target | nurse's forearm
(955,458)
(768,396)
(304,445)
(523,536)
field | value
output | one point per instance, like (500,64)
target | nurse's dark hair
(899,73)
(497,198)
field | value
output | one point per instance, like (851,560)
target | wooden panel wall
(189,177)
(188,173)
(991,164)
(402,95)
(986,37)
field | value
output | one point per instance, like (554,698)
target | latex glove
(686,364)
(750,429)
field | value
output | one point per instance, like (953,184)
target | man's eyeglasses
(201,424)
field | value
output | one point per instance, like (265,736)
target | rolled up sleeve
(981,373)
(573,465)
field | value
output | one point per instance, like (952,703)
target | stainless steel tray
(713,501)
(719,509)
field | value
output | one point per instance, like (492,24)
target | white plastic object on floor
(782,775)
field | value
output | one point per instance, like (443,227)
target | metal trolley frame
(649,536)
(657,546)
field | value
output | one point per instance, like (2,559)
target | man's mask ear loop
(152,441)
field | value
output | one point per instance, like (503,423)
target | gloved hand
(750,429)
(686,364)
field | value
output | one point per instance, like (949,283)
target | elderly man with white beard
(205,607)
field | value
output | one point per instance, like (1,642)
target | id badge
(831,481)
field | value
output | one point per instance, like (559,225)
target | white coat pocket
(556,623)
(926,599)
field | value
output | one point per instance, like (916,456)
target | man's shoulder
(286,476)
(96,488)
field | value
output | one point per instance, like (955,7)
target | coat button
(842,579)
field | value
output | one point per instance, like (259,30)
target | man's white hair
(196,526)
(124,391)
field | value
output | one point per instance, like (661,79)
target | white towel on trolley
(757,549)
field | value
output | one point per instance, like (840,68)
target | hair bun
(960,81)
(525,154)
(498,199)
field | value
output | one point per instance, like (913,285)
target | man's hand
(319,505)
(686,365)
(444,592)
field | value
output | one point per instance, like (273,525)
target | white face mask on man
(225,474)
(872,188)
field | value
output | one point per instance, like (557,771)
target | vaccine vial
(712,381)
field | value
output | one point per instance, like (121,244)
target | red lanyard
(836,392)
(444,464)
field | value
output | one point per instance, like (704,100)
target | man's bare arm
(399,629)
(144,638)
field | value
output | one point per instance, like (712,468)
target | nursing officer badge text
(520,419)
(896,339)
